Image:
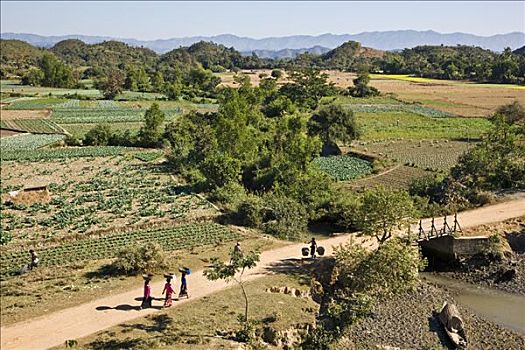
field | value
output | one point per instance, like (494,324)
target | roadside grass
(193,325)
(47,290)
(403,125)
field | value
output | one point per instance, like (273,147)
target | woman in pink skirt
(168,289)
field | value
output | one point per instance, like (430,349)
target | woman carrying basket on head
(146,299)
(168,289)
(183,283)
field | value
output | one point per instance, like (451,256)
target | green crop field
(440,155)
(35,126)
(62,153)
(36,103)
(343,167)
(19,143)
(104,115)
(405,125)
(94,195)
(173,238)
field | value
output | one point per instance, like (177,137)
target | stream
(505,309)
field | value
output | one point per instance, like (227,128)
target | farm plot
(405,125)
(27,142)
(344,167)
(173,238)
(398,177)
(101,194)
(36,103)
(411,108)
(425,154)
(35,126)
(63,153)
(104,115)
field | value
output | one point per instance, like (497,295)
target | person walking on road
(146,299)
(183,283)
(168,289)
(313,247)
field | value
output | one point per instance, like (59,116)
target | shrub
(250,211)
(284,218)
(230,195)
(140,258)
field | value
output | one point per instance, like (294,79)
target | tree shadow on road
(124,307)
(304,270)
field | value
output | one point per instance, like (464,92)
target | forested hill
(96,60)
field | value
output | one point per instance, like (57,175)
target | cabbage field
(344,167)
(61,153)
(27,142)
(104,115)
(35,126)
(172,238)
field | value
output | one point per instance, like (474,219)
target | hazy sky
(161,20)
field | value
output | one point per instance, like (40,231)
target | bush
(250,211)
(283,217)
(230,195)
(140,259)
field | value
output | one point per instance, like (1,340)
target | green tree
(307,88)
(384,210)
(220,170)
(150,133)
(55,72)
(98,136)
(234,270)
(361,88)
(34,77)
(158,82)
(334,124)
(277,73)
(111,85)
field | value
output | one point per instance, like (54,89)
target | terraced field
(35,126)
(440,155)
(64,153)
(104,115)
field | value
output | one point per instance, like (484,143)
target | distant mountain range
(292,45)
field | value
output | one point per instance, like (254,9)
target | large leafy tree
(111,85)
(151,133)
(385,210)
(307,88)
(55,72)
(334,124)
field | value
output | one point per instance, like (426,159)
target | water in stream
(505,309)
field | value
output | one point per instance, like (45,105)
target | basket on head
(147,276)
(185,270)
(305,251)
(320,251)
(169,275)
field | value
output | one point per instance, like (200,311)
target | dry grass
(193,325)
(7,133)
(460,98)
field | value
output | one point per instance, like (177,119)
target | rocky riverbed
(408,322)
(506,275)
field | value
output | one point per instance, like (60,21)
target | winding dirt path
(76,322)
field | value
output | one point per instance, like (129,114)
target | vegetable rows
(61,153)
(104,115)
(343,167)
(412,108)
(26,142)
(36,103)
(174,238)
(36,126)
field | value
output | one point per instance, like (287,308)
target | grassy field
(398,177)
(403,125)
(424,154)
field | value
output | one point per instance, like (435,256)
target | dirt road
(76,322)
